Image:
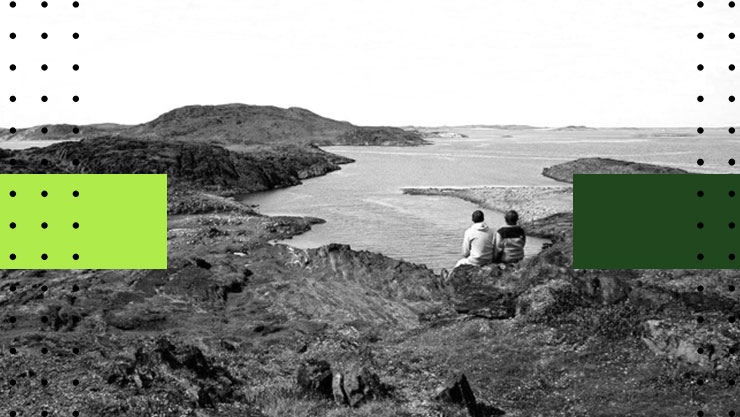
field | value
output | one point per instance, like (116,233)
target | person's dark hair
(477,216)
(511,217)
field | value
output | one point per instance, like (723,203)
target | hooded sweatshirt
(478,244)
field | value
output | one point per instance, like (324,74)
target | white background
(373,62)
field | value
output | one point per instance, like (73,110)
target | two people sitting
(481,246)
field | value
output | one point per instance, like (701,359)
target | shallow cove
(364,207)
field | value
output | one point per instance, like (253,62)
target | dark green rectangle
(652,221)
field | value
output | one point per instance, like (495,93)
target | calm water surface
(364,207)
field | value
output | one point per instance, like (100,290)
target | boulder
(457,391)
(361,385)
(337,387)
(315,377)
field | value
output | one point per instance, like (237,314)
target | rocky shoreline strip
(531,202)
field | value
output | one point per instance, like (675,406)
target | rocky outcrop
(183,371)
(564,172)
(350,385)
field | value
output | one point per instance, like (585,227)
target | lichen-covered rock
(361,385)
(315,377)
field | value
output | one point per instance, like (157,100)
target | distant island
(564,172)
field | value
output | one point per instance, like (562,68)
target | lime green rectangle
(122,221)
(652,221)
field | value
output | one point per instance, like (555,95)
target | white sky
(371,62)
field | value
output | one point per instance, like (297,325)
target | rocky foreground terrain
(236,326)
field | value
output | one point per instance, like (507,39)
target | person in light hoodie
(477,246)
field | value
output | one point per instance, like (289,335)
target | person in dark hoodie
(477,247)
(508,244)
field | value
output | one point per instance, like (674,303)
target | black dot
(731,161)
(732,256)
(44,351)
(12,225)
(700,130)
(12,99)
(75,99)
(700,319)
(44,256)
(75,288)
(732,99)
(12,161)
(44,225)
(12,67)
(732,4)
(13,414)
(732,35)
(700,288)
(12,382)
(44,193)
(732,67)
(75,413)
(44,130)
(700,413)
(75,225)
(76,67)
(700,4)
(75,162)
(700,162)
(76,35)
(44,35)
(12,4)
(44,382)
(700,99)
(732,225)
(700,35)
(12,130)
(75,193)
(700,67)
(700,193)
(700,256)
(76,351)
(700,382)
(76,130)
(11,319)
(12,36)
(700,225)
(44,162)
(44,319)
(732,193)
(31,373)
(732,130)
(76,4)
(44,67)
(12,288)
(44,4)
(700,351)
(732,350)
(44,99)
(12,193)
(44,413)
(12,257)
(75,256)
(75,382)
(731,319)
(13,351)
(731,383)
(731,288)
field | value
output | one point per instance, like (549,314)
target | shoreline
(530,201)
